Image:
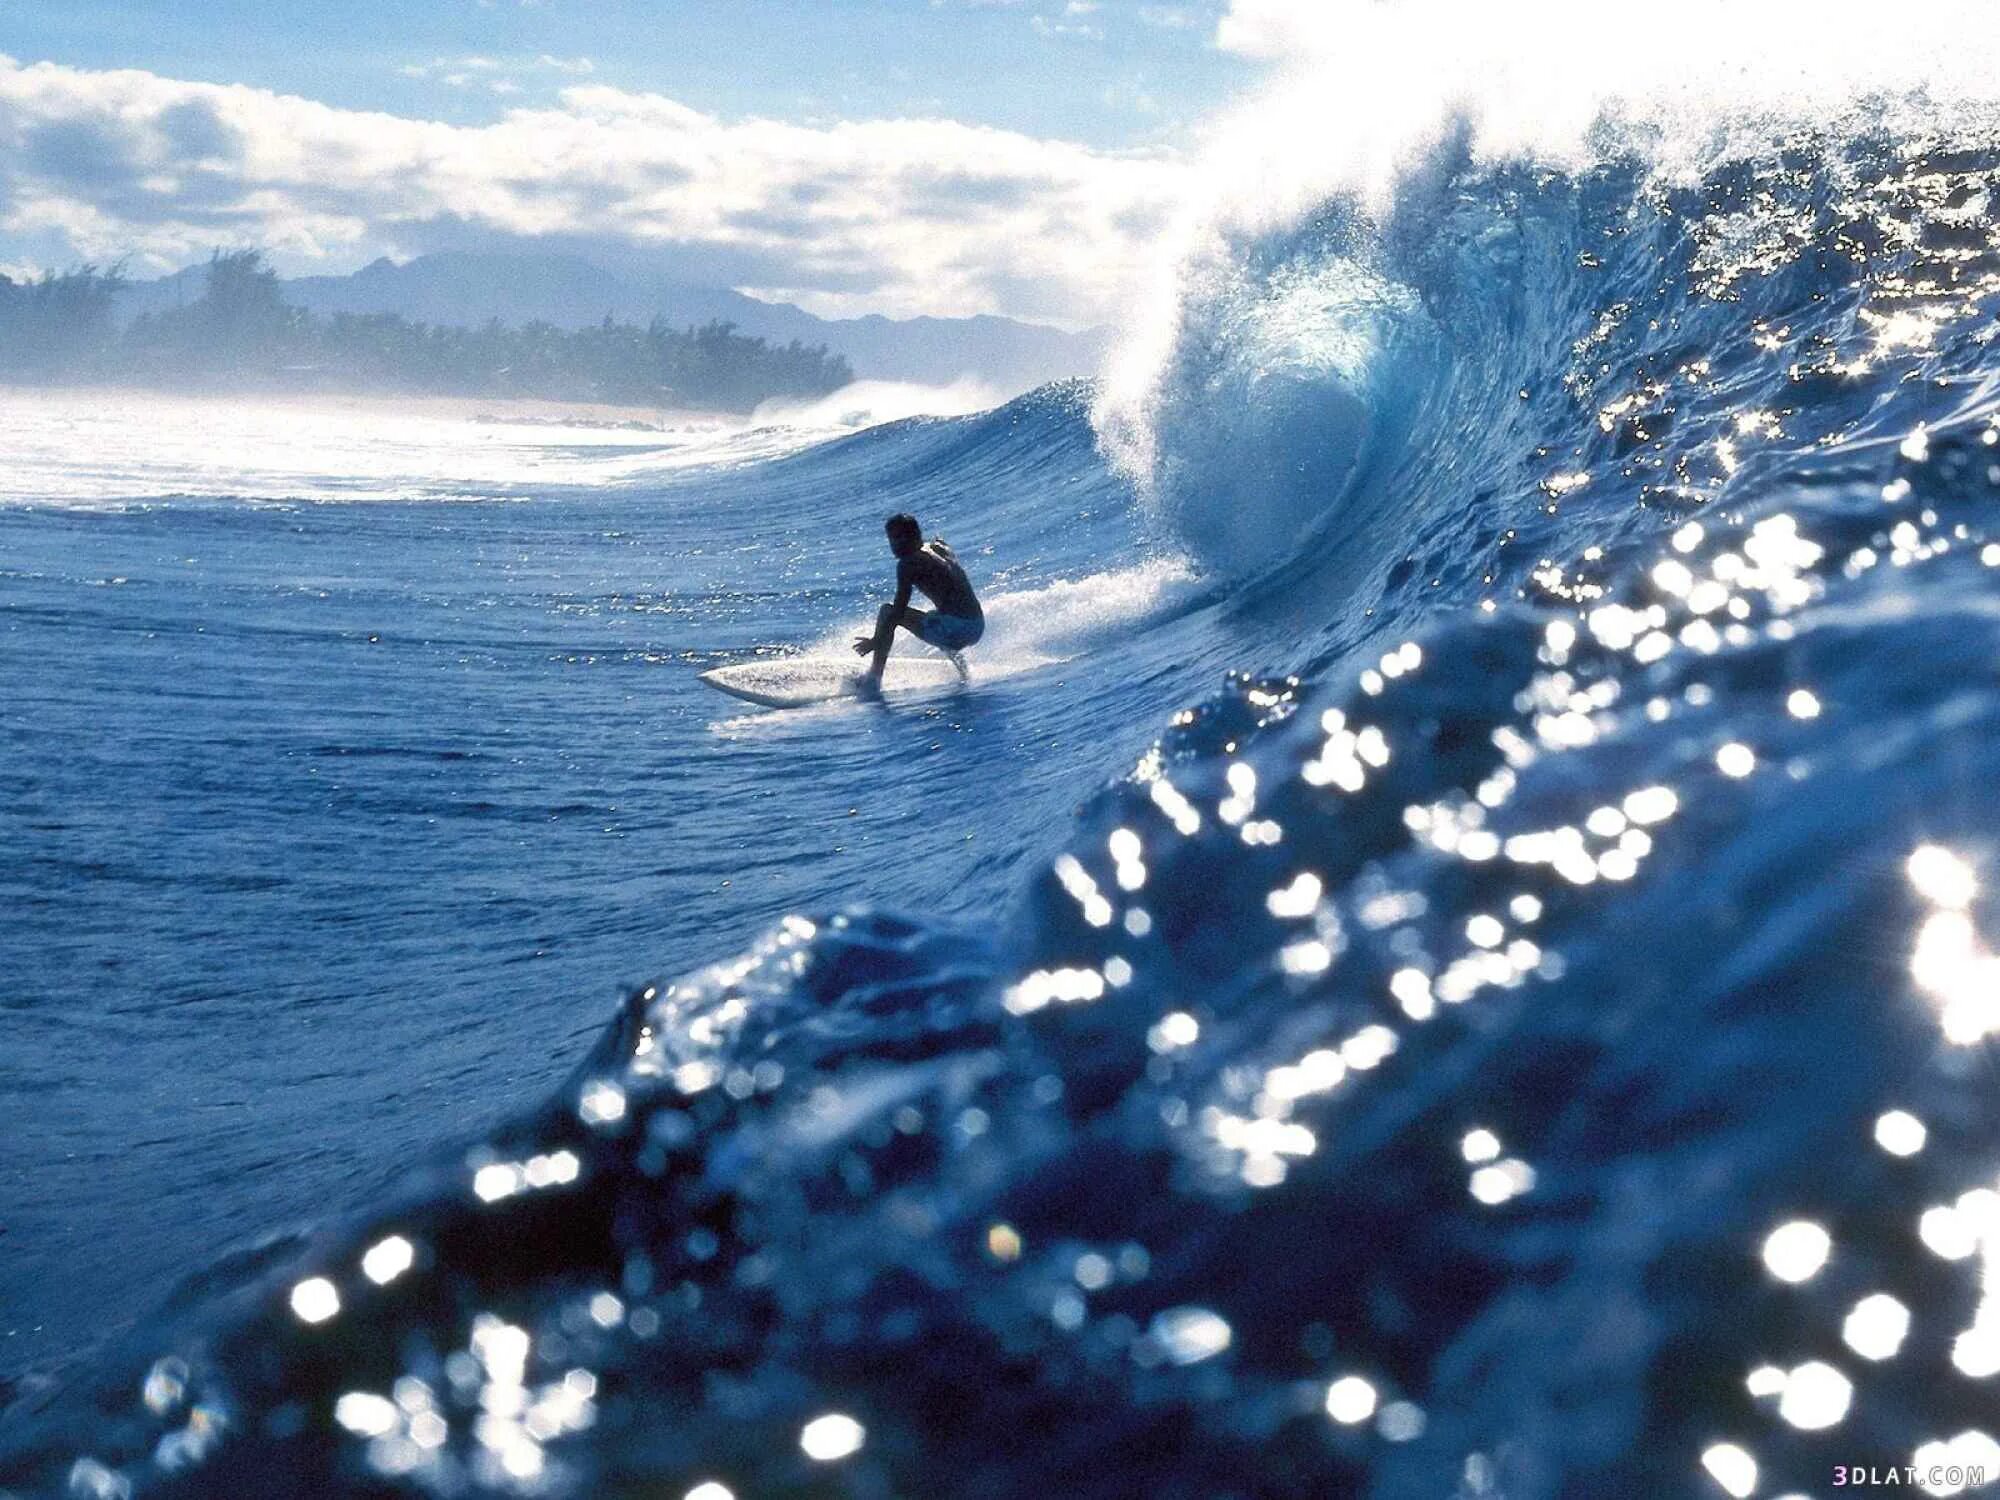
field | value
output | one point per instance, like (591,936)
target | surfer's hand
(863,644)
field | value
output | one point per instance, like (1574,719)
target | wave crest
(1290,364)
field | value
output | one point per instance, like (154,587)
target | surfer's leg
(884,637)
(913,621)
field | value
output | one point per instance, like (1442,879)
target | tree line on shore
(241,335)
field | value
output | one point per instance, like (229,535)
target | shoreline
(521,411)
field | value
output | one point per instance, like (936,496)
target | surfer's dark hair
(902,523)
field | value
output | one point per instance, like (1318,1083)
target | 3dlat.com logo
(1938,1479)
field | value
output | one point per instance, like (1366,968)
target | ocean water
(1447,949)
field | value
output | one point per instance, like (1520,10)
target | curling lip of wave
(1295,370)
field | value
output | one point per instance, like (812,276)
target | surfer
(929,567)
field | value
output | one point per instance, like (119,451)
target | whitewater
(1447,950)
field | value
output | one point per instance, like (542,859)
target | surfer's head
(905,535)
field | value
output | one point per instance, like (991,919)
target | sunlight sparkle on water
(1877,1327)
(1480,1145)
(1942,878)
(1350,1400)
(1297,899)
(1733,1468)
(1495,1184)
(1400,1422)
(1653,804)
(1046,986)
(1816,1396)
(1189,1335)
(1976,1351)
(387,1259)
(1736,760)
(314,1300)
(1947,1233)
(1308,957)
(495,1181)
(1317,1072)
(1796,1251)
(1368,1047)
(1182,813)
(601,1103)
(1412,989)
(501,1347)
(1175,1029)
(1765,1380)
(1900,1133)
(832,1437)
(1949,961)
(365,1414)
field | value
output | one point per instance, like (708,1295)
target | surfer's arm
(890,617)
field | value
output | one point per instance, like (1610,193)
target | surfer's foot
(867,685)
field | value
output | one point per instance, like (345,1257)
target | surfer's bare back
(931,569)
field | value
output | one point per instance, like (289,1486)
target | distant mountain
(467,288)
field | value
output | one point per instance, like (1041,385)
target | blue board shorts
(947,632)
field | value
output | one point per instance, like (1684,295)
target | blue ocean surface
(1446,948)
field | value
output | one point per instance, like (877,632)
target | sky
(1042,159)
(900,156)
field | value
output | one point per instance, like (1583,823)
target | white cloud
(897,216)
(1276,28)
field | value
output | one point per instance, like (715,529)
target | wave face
(1532,1044)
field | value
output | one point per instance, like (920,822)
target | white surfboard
(795,681)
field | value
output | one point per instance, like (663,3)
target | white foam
(87,448)
(869,403)
(1359,84)
(92,448)
(1026,629)
(1068,615)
